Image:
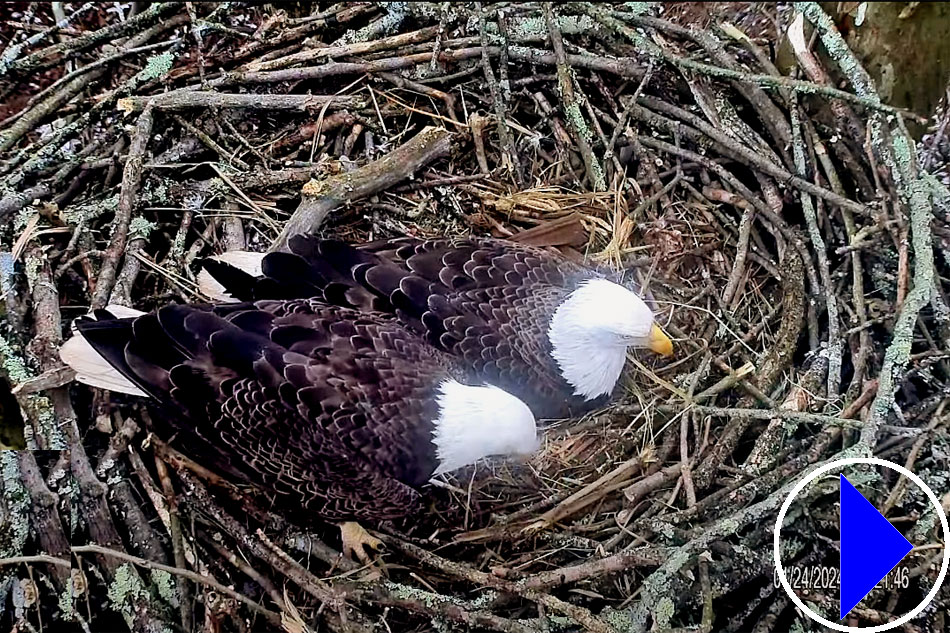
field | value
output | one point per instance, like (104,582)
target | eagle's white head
(591,331)
(477,422)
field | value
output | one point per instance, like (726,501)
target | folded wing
(279,392)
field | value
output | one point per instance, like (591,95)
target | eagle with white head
(336,413)
(538,325)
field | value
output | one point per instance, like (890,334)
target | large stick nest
(784,226)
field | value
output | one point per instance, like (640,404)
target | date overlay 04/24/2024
(823,577)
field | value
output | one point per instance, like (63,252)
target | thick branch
(320,198)
(175,101)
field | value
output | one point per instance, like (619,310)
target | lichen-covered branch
(572,110)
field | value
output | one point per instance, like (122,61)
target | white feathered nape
(90,367)
(590,332)
(476,422)
(244,260)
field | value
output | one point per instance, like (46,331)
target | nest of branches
(785,227)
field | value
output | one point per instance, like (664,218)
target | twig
(128,197)
(272,617)
(595,568)
(623,66)
(16,200)
(477,124)
(76,45)
(280,561)
(742,250)
(613,480)
(739,152)
(346,50)
(178,551)
(61,91)
(773,118)
(625,115)
(248,571)
(47,380)
(824,269)
(10,54)
(780,354)
(572,111)
(176,101)
(390,594)
(579,614)
(45,517)
(501,111)
(38,558)
(769,81)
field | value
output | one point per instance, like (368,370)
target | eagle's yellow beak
(659,342)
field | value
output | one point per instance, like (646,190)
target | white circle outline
(838,463)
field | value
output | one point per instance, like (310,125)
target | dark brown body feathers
(487,302)
(329,409)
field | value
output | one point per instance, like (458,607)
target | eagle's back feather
(328,408)
(483,300)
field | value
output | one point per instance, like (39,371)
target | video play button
(870,547)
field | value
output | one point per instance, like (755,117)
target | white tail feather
(90,367)
(244,260)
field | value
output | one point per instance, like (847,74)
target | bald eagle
(338,414)
(551,332)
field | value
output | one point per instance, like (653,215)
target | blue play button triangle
(870,547)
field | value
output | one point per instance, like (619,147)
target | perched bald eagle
(551,332)
(337,413)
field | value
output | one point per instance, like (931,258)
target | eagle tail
(96,351)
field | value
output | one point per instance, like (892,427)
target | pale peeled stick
(244,260)
(91,368)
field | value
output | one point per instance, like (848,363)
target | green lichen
(798,625)
(535,28)
(38,408)
(639,8)
(165,585)
(484,600)
(433,600)
(16,528)
(22,217)
(157,66)
(155,192)
(42,413)
(140,228)
(177,251)
(429,11)
(31,269)
(552,622)
(429,599)
(576,119)
(12,365)
(396,14)
(217,187)
(126,588)
(82,213)
(65,602)
(617,620)
(663,613)
(579,125)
